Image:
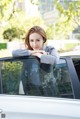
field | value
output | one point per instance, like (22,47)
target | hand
(38,53)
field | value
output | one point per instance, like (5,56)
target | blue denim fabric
(38,79)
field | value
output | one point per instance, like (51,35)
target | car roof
(72,54)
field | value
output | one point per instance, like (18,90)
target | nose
(35,44)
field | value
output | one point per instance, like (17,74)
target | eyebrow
(36,39)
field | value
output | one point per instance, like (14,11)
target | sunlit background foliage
(14,22)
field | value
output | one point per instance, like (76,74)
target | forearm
(49,59)
(21,52)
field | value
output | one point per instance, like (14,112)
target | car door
(15,104)
(67,78)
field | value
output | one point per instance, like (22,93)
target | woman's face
(36,41)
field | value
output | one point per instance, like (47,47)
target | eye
(38,40)
(31,40)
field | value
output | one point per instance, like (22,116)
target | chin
(36,49)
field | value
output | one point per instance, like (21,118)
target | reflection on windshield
(30,77)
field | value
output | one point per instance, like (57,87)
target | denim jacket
(51,58)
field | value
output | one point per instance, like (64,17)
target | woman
(48,56)
(35,40)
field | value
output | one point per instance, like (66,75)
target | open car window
(27,76)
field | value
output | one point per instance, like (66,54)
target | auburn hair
(35,29)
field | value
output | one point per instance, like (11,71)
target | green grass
(3,46)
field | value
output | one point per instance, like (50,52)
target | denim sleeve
(21,52)
(52,58)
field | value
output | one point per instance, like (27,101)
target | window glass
(30,77)
(63,79)
(11,75)
(76,63)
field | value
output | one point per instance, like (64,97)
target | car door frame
(74,78)
(72,72)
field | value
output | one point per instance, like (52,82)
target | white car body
(18,105)
(25,107)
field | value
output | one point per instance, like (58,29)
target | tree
(7,11)
(13,17)
(69,14)
(12,33)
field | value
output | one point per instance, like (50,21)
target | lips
(36,48)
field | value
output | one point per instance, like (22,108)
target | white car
(25,107)
(20,101)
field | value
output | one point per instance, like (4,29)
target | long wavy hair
(35,29)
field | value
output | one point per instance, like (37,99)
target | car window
(30,77)
(63,78)
(10,75)
(76,63)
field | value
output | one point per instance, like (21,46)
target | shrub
(12,33)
